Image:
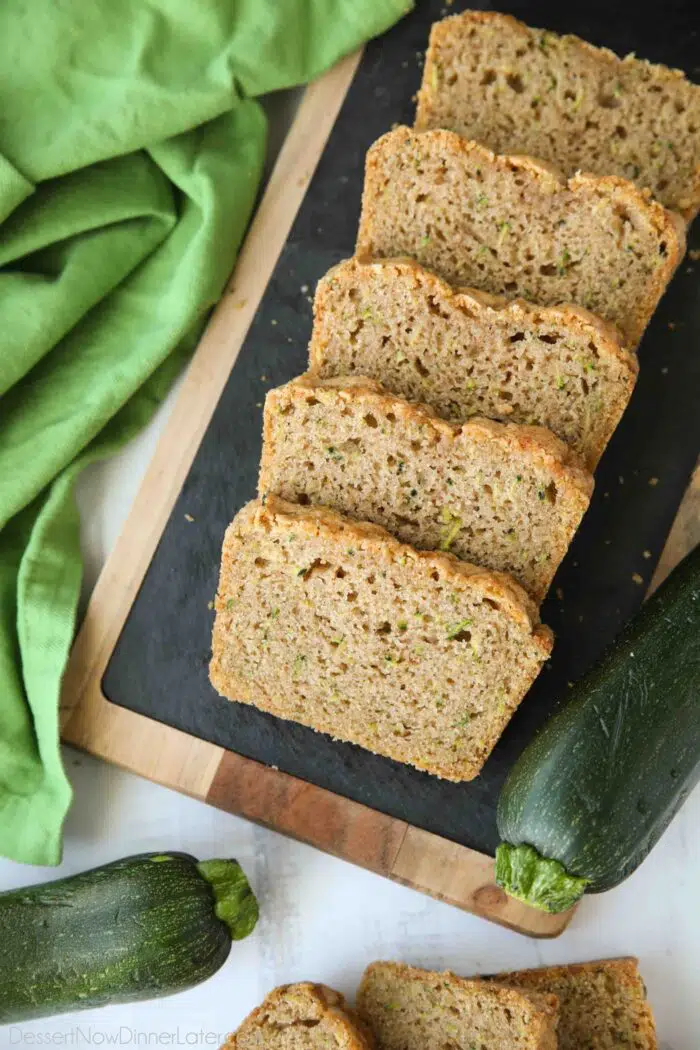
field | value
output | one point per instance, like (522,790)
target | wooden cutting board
(144,642)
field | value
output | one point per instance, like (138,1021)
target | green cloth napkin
(131,149)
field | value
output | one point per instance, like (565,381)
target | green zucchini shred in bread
(602,1004)
(521,90)
(412,1009)
(411,654)
(466,353)
(503,496)
(598,242)
(302,1016)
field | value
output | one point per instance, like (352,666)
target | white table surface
(323,919)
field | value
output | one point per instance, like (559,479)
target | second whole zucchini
(139,928)
(596,788)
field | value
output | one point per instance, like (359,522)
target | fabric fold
(70,244)
(131,151)
(14,188)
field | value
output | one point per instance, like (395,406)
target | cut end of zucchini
(236,904)
(534,880)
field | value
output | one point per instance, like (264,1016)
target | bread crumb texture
(467,353)
(522,90)
(337,625)
(302,1016)
(514,226)
(503,496)
(602,1005)
(412,1009)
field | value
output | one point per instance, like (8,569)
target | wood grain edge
(408,855)
(464,878)
(336,825)
(206,377)
(165,755)
(139,745)
(684,534)
(387,846)
(307,813)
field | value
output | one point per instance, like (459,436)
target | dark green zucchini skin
(135,929)
(600,783)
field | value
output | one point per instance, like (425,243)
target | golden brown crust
(277,514)
(624,971)
(443,31)
(323,1005)
(485,308)
(482,452)
(537,442)
(668,224)
(239,677)
(445,27)
(542,1008)
(625,967)
(607,336)
(551,181)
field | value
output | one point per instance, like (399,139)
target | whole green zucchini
(136,929)
(596,788)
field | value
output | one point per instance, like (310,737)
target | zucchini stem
(235,902)
(545,884)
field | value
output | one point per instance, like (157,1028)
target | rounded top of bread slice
(410,1009)
(302,1016)
(505,496)
(607,335)
(539,443)
(274,515)
(602,1003)
(517,226)
(335,624)
(548,176)
(519,89)
(467,352)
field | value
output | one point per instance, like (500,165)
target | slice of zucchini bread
(602,1005)
(335,624)
(501,495)
(302,1016)
(514,226)
(521,90)
(412,1009)
(468,353)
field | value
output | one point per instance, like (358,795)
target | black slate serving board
(159,666)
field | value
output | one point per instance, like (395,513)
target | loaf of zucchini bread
(522,90)
(412,1009)
(467,353)
(514,226)
(602,1005)
(501,495)
(335,624)
(302,1016)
